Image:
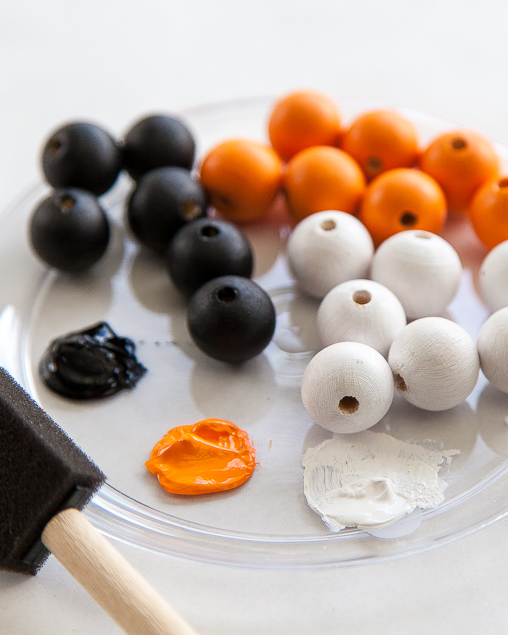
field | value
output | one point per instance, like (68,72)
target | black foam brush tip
(42,471)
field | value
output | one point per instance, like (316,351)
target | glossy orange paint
(209,456)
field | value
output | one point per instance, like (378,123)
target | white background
(109,61)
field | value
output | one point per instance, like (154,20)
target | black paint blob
(91,364)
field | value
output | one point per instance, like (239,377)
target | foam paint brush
(45,480)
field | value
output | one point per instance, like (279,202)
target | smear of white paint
(370,480)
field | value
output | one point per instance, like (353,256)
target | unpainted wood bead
(435,363)
(421,268)
(327,248)
(361,311)
(347,387)
(493,349)
(494,278)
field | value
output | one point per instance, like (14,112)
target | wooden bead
(435,363)
(361,311)
(347,387)
(328,248)
(493,349)
(494,278)
(421,268)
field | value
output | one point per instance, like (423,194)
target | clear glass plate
(266,522)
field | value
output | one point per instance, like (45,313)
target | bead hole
(349,405)
(399,382)
(191,209)
(374,164)
(362,297)
(328,225)
(408,219)
(503,182)
(209,231)
(54,145)
(223,200)
(458,143)
(66,202)
(226,294)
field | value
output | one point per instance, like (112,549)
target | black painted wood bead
(69,230)
(231,319)
(81,155)
(164,200)
(157,141)
(206,249)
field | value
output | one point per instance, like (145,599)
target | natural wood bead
(422,269)
(493,278)
(361,311)
(347,387)
(326,249)
(493,349)
(435,363)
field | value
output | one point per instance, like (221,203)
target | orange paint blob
(209,456)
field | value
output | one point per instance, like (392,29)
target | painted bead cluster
(373,169)
(209,260)
(432,361)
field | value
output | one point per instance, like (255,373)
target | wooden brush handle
(110,580)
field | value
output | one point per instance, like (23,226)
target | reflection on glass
(9,332)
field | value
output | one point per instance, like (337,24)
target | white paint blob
(370,480)
(327,248)
(398,529)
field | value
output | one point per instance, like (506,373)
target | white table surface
(109,60)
